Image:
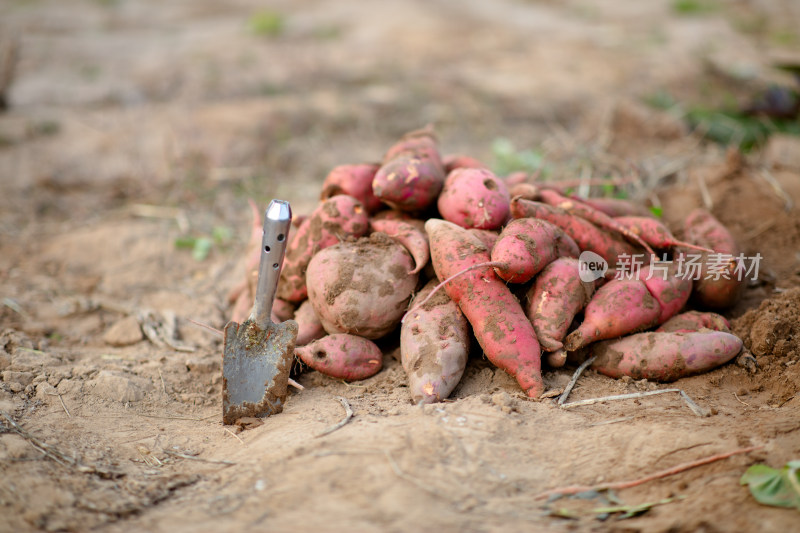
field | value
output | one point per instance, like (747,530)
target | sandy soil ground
(134,124)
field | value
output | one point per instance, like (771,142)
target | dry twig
(348,415)
(576,489)
(195,458)
(574,380)
(696,409)
(48,451)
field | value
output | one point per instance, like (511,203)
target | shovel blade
(255,368)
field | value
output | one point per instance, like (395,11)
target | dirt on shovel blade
(255,369)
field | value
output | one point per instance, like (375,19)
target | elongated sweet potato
(342,356)
(720,281)
(695,321)
(498,321)
(584,233)
(412,174)
(355,181)
(334,220)
(619,307)
(598,218)
(361,287)
(653,232)
(309,328)
(474,198)
(555,297)
(528,191)
(665,356)
(412,236)
(617,207)
(527,245)
(434,346)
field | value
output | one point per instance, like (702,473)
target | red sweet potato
(474,198)
(412,236)
(653,232)
(334,220)
(309,327)
(584,233)
(434,346)
(527,245)
(720,281)
(665,356)
(498,321)
(487,236)
(412,174)
(342,356)
(695,321)
(528,191)
(598,218)
(670,289)
(361,287)
(617,207)
(555,297)
(617,308)
(355,181)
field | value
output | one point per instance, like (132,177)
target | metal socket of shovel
(258,353)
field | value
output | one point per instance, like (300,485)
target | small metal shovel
(258,353)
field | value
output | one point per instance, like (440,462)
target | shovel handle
(277,222)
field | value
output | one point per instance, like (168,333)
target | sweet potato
(668,287)
(654,233)
(528,191)
(412,174)
(552,302)
(342,356)
(434,346)
(598,218)
(695,321)
(487,236)
(334,220)
(720,283)
(617,207)
(584,233)
(474,198)
(527,245)
(361,287)
(665,356)
(617,308)
(309,327)
(498,321)
(355,181)
(409,235)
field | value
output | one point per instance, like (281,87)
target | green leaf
(185,243)
(779,488)
(657,211)
(267,23)
(202,247)
(629,511)
(221,234)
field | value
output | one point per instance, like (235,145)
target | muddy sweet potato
(410,235)
(695,321)
(342,356)
(617,207)
(720,282)
(334,220)
(434,346)
(497,319)
(353,180)
(454,161)
(556,296)
(620,307)
(361,287)
(670,289)
(309,328)
(663,356)
(474,198)
(412,174)
(584,233)
(527,245)
(653,232)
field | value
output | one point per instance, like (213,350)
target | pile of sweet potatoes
(444,252)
